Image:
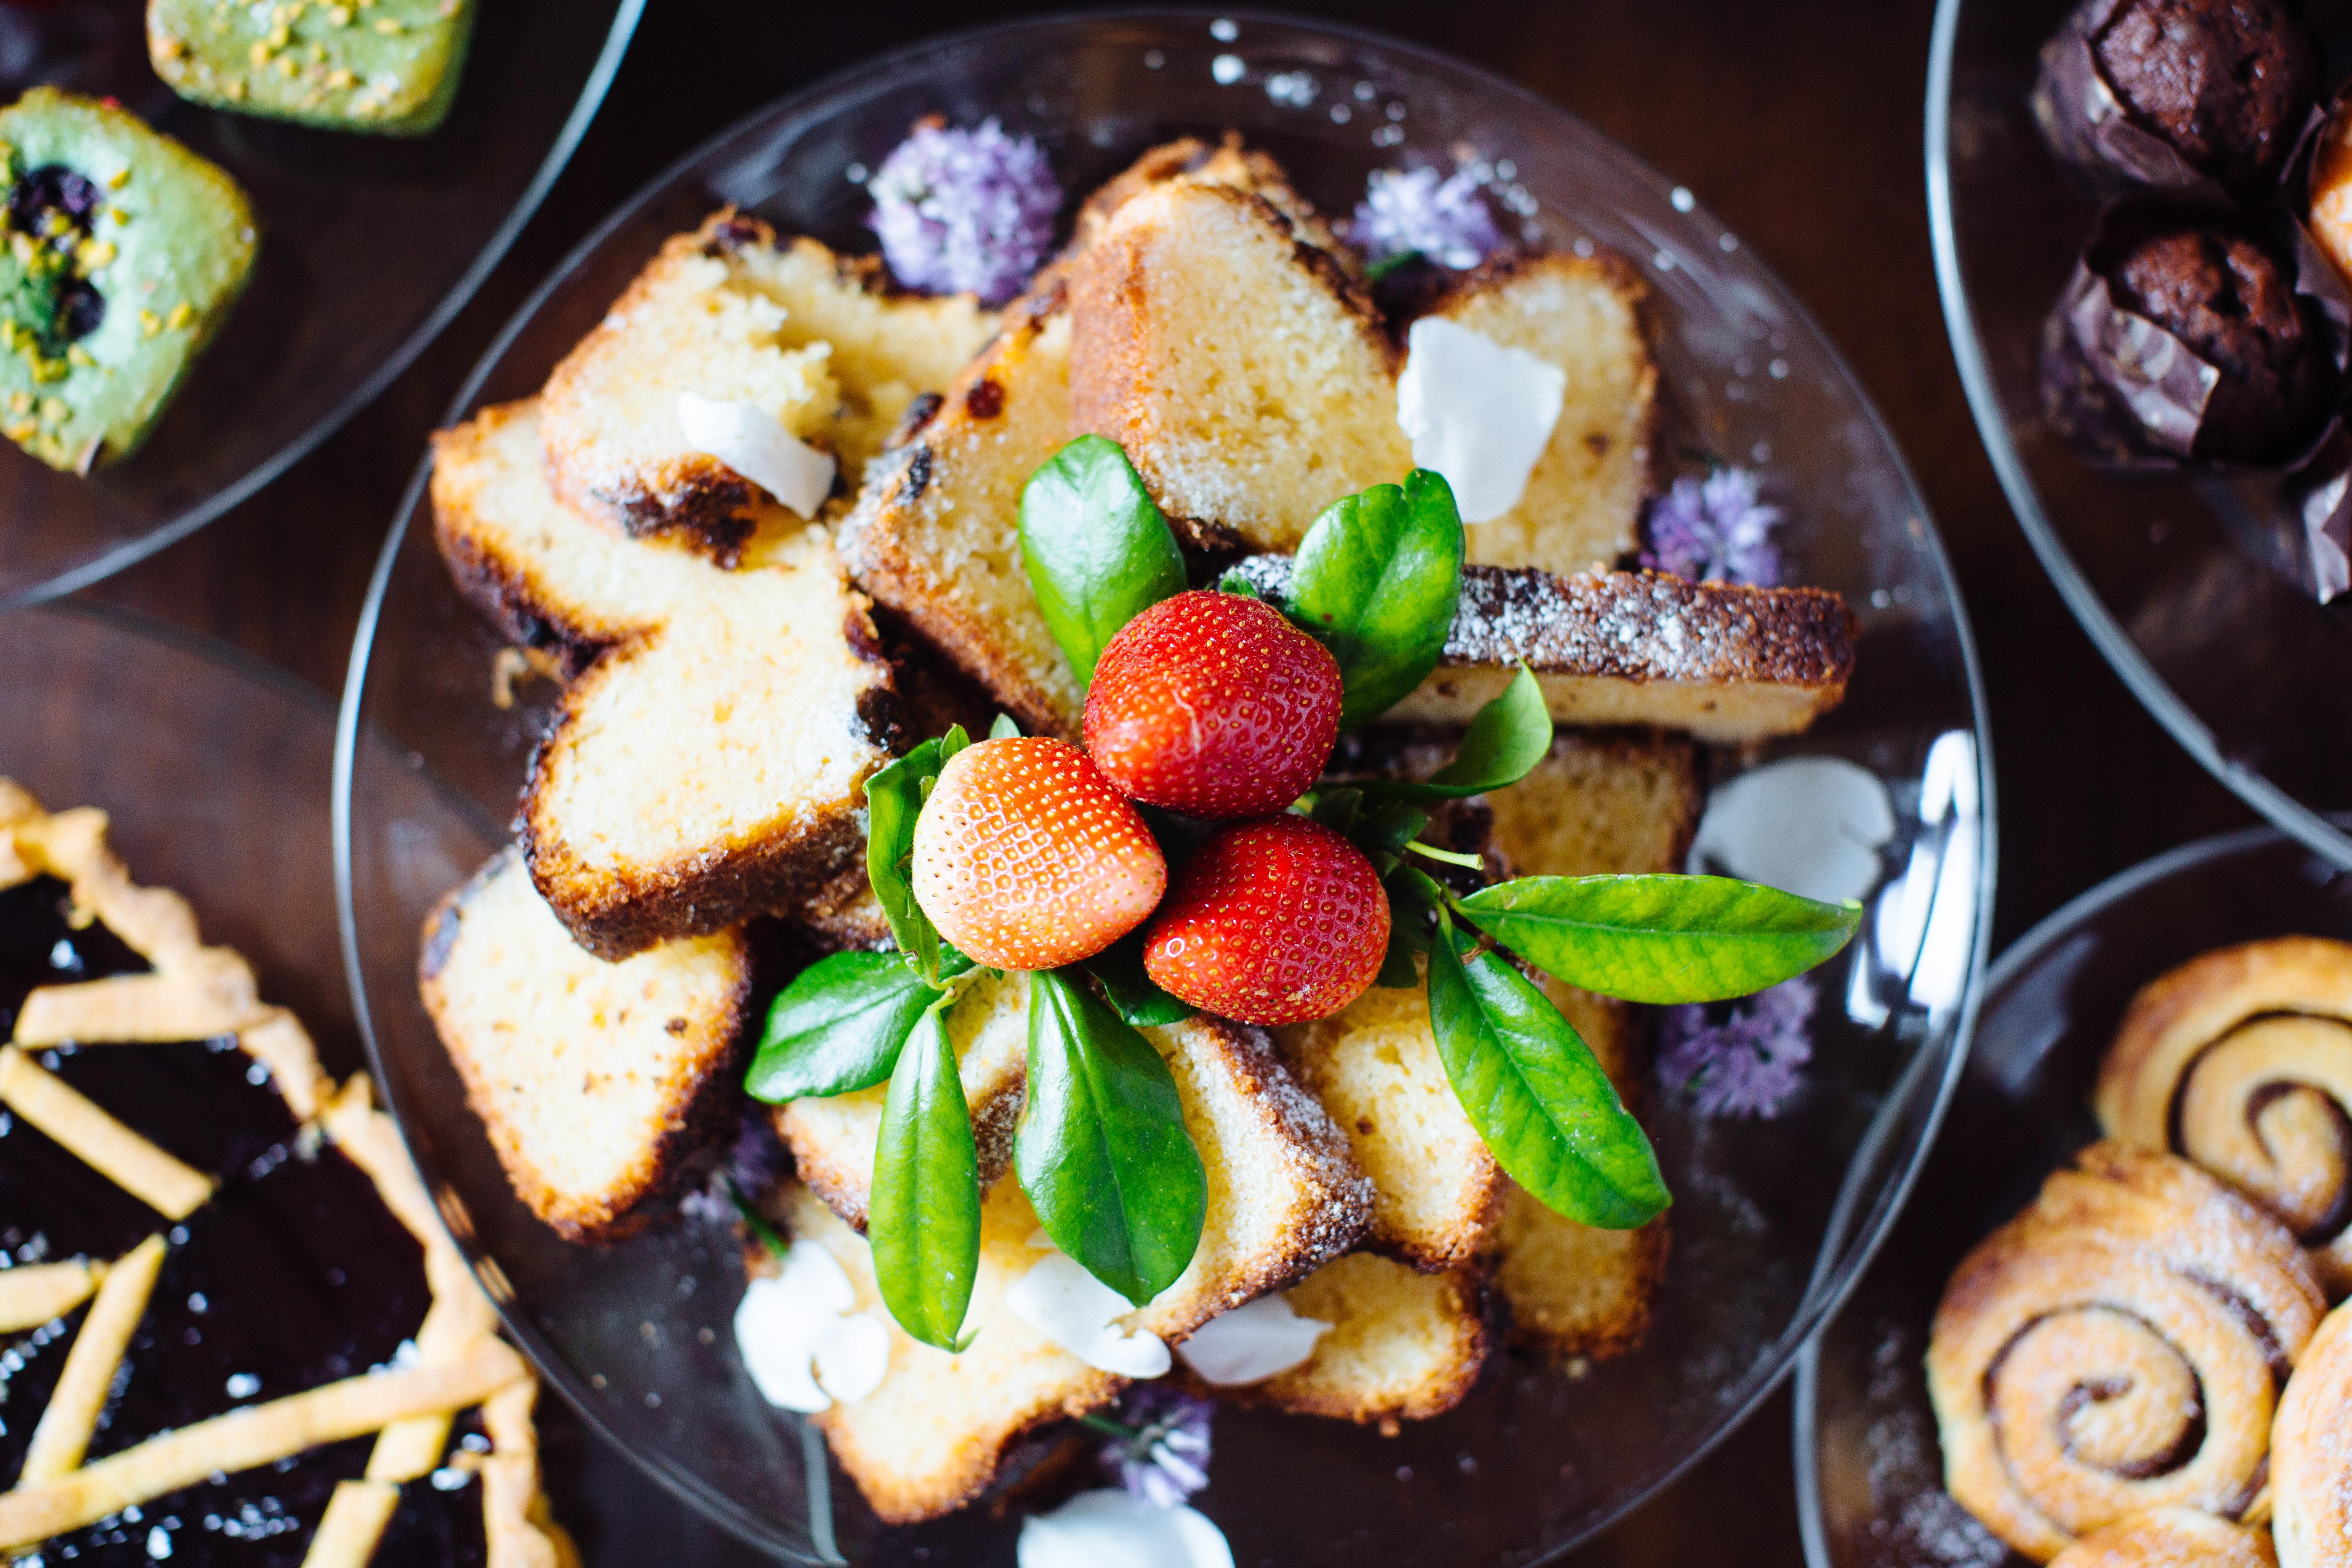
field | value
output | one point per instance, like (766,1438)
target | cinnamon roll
(2170,1538)
(2241,1061)
(2117,1347)
(2311,1453)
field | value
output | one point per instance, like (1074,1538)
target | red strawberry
(1027,859)
(1214,705)
(1272,923)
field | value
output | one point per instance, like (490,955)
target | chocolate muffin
(2223,293)
(2164,92)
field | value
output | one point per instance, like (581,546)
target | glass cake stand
(2169,576)
(369,246)
(1772,1221)
(1870,1490)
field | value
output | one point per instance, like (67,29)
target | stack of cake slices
(732,672)
(228,1312)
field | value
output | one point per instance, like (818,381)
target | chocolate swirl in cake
(2117,1347)
(2241,1061)
(2311,1488)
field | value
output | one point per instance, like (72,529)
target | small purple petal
(1165,1457)
(1718,529)
(1751,1062)
(965,210)
(1446,220)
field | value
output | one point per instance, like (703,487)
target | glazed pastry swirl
(2241,1061)
(2171,1538)
(2117,1347)
(2311,1462)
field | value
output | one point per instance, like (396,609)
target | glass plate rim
(1862,1236)
(129,553)
(2019,956)
(2275,805)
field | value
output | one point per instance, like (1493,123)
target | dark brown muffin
(2221,291)
(2229,83)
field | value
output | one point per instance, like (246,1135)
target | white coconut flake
(1252,1342)
(1078,1312)
(1478,412)
(1114,1529)
(749,440)
(1809,826)
(801,1339)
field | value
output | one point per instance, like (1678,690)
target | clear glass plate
(2166,574)
(1773,1220)
(369,246)
(1870,1490)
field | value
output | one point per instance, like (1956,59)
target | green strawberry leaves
(1118,970)
(1377,580)
(894,799)
(1662,939)
(1531,1088)
(1506,740)
(1102,1150)
(838,1027)
(1096,547)
(923,1219)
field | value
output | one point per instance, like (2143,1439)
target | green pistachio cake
(123,253)
(384,66)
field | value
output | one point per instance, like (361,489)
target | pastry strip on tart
(2117,1347)
(2241,1059)
(187,993)
(2311,1453)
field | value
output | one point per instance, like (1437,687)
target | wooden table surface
(1798,123)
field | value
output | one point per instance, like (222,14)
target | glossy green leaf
(1413,897)
(1662,939)
(838,1026)
(1378,579)
(1004,729)
(923,1218)
(1096,549)
(1506,740)
(1530,1085)
(894,799)
(1130,992)
(1101,1150)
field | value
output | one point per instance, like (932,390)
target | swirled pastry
(2117,1347)
(2241,1061)
(2170,1538)
(2311,1453)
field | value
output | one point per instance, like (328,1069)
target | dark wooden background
(1798,122)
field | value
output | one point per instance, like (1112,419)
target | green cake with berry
(389,66)
(125,253)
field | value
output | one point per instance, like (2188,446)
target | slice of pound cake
(709,763)
(597,1082)
(1283,1199)
(816,345)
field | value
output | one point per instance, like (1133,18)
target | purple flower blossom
(1158,1449)
(1414,210)
(962,210)
(1750,1063)
(1716,529)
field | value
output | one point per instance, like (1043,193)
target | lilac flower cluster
(1158,1449)
(965,210)
(1414,210)
(1752,1062)
(1718,529)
